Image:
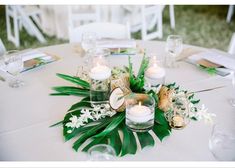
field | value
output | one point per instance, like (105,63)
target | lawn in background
(200,25)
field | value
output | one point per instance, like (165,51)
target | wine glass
(232,101)
(174,46)
(222,142)
(101,152)
(13,64)
(88,41)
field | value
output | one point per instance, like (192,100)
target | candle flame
(139,103)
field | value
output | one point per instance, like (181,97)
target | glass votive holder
(155,73)
(178,115)
(99,74)
(101,152)
(140,110)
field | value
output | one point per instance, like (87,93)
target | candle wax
(155,72)
(140,113)
(100,72)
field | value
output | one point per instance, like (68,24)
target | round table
(26,113)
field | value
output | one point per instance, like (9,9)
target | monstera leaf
(109,130)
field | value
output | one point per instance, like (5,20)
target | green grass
(200,25)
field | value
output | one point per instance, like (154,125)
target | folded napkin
(118,47)
(33,59)
(213,57)
(213,61)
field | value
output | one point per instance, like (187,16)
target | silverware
(206,90)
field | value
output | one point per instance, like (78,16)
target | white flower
(73,122)
(111,113)
(80,122)
(203,114)
(96,108)
(107,106)
(86,114)
(97,116)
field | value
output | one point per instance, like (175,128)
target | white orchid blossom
(95,113)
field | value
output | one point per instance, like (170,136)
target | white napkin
(214,57)
(116,44)
(32,54)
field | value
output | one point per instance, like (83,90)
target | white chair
(22,16)
(79,15)
(2,48)
(146,17)
(231,48)
(102,30)
(230,13)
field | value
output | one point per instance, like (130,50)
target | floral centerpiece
(105,123)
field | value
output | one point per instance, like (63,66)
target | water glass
(174,46)
(101,152)
(13,64)
(222,142)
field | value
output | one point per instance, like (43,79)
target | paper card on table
(34,62)
(208,64)
(214,57)
(118,47)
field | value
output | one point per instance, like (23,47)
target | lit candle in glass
(100,79)
(155,74)
(100,72)
(139,112)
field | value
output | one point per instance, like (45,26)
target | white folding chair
(102,30)
(231,48)
(22,16)
(79,15)
(230,13)
(146,17)
(2,48)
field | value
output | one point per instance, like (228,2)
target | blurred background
(42,25)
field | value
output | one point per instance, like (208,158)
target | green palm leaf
(129,145)
(115,141)
(75,80)
(145,139)
(70,90)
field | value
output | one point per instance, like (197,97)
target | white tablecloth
(26,113)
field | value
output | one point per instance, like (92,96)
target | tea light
(178,121)
(155,72)
(139,113)
(100,72)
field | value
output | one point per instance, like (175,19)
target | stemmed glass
(232,101)
(13,64)
(88,44)
(174,46)
(222,142)
(101,152)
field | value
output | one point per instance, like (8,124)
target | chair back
(102,30)
(231,48)
(2,48)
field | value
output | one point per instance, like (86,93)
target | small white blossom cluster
(95,113)
(201,113)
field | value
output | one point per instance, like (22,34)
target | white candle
(155,72)
(140,113)
(100,72)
